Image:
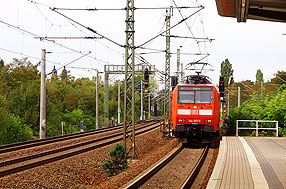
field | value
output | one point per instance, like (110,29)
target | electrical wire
(49,41)
(187,24)
(88,28)
(28,56)
(71,62)
(184,19)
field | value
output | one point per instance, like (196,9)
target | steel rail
(14,169)
(192,176)
(142,178)
(39,142)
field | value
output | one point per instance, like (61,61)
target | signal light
(174,82)
(146,77)
(221,86)
(146,74)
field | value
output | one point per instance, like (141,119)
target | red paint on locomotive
(195,112)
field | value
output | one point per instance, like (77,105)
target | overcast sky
(248,46)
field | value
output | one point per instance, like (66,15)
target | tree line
(260,100)
(68,99)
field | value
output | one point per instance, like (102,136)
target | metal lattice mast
(167,95)
(129,101)
(182,73)
(178,64)
(106,97)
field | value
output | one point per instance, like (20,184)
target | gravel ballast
(85,170)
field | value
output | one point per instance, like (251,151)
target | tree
(118,162)
(226,71)
(280,78)
(1,63)
(259,76)
(12,129)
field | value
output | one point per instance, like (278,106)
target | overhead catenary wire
(201,7)
(26,55)
(187,24)
(88,28)
(71,62)
(50,41)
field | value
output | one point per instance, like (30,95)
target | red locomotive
(195,111)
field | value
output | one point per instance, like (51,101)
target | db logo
(195,112)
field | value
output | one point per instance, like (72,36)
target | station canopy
(268,10)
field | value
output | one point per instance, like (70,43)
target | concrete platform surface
(250,162)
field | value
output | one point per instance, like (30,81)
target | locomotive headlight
(182,120)
(208,121)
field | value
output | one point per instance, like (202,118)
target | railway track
(177,170)
(22,163)
(39,142)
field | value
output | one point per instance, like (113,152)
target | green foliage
(68,99)
(280,78)
(270,107)
(11,128)
(118,161)
(74,117)
(226,71)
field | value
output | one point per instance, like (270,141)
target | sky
(248,46)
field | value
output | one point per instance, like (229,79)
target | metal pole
(228,104)
(238,99)
(149,107)
(96,101)
(106,96)
(141,117)
(129,92)
(221,109)
(43,96)
(178,64)
(167,96)
(119,110)
(182,73)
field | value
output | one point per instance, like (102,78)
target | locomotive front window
(195,95)
(187,97)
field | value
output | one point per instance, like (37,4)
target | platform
(250,162)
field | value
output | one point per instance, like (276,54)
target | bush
(118,162)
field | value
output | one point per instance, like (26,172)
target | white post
(236,127)
(276,128)
(43,96)
(238,99)
(119,110)
(63,126)
(257,128)
(96,101)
